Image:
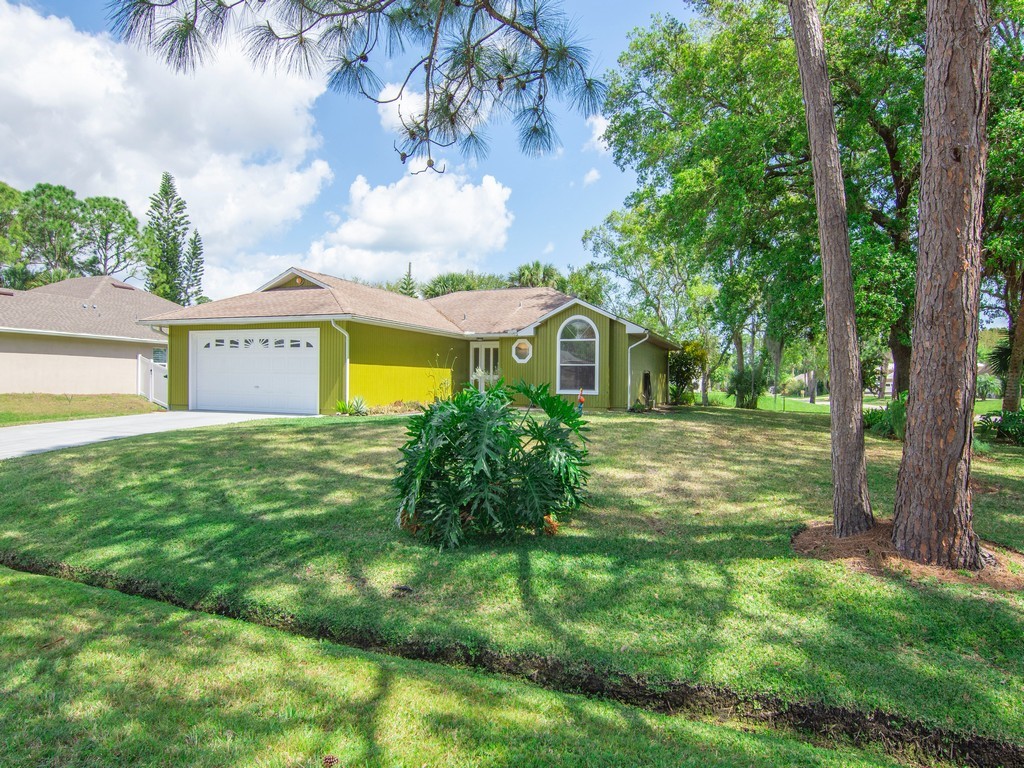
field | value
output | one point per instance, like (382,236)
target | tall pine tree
(407,285)
(175,262)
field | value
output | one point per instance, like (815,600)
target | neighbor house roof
(99,307)
(319,296)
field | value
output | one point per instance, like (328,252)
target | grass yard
(29,408)
(681,570)
(773,404)
(782,404)
(90,677)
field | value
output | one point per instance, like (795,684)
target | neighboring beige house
(78,336)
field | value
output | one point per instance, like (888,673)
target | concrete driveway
(51,436)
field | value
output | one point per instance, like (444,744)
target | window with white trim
(577,356)
(522,351)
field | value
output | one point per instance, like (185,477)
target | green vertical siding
(389,365)
(542,367)
(332,360)
(648,357)
(617,365)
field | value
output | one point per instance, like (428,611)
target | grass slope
(682,569)
(31,408)
(93,678)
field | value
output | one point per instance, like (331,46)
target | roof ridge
(394,295)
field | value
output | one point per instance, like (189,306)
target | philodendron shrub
(476,466)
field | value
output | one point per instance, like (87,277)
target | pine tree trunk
(851,506)
(901,352)
(1011,395)
(933,516)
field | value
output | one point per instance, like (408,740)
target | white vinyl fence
(153,381)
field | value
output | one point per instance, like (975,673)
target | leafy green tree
(109,237)
(472,61)
(50,217)
(11,235)
(686,365)
(652,272)
(170,253)
(588,283)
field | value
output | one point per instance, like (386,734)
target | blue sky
(276,171)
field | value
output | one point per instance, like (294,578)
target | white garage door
(271,371)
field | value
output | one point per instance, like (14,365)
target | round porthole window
(522,350)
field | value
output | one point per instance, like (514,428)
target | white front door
(483,364)
(273,370)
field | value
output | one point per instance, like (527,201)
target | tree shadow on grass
(141,683)
(682,569)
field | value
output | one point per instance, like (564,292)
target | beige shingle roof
(93,306)
(466,312)
(340,297)
(499,311)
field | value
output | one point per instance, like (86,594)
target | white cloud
(591,176)
(596,143)
(394,109)
(549,248)
(439,222)
(106,119)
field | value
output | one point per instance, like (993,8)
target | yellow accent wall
(332,360)
(389,365)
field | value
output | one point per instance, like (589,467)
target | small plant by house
(356,407)
(476,466)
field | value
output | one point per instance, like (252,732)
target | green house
(304,341)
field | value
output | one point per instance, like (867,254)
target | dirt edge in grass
(895,734)
(873,552)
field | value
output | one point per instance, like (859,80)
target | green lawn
(29,408)
(681,570)
(980,406)
(771,403)
(90,677)
(782,404)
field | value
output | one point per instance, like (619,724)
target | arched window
(577,356)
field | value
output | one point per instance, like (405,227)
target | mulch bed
(873,552)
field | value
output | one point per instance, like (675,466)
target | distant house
(304,341)
(78,336)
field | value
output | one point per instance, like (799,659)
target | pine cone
(330,761)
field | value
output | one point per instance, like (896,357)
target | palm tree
(535,275)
